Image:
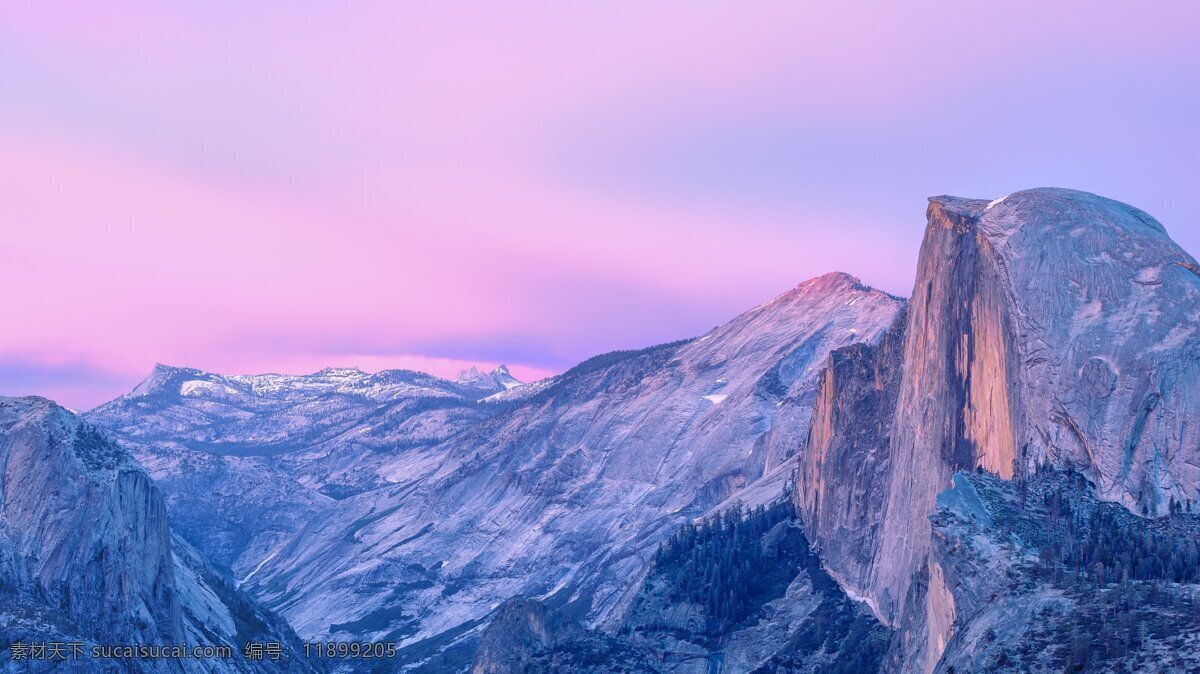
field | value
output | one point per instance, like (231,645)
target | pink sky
(353,184)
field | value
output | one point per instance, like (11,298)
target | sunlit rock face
(1049,327)
(87,556)
(953,408)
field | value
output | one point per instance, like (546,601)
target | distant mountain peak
(161,376)
(499,379)
(468,375)
(339,372)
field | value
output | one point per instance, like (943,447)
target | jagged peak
(164,369)
(498,377)
(468,374)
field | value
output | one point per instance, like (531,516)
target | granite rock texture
(87,555)
(1047,328)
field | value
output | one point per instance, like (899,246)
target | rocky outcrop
(86,554)
(1104,374)
(1041,576)
(496,381)
(1047,328)
(84,528)
(953,409)
(744,592)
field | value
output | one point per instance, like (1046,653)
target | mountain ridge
(1047,328)
(756,367)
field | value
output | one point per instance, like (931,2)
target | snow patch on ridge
(257,568)
(198,387)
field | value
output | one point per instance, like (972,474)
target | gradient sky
(298,185)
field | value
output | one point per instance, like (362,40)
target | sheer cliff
(86,555)
(1047,328)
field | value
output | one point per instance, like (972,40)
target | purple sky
(266,189)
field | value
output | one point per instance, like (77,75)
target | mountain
(1000,474)
(247,461)
(1049,328)
(567,494)
(86,556)
(561,491)
(271,415)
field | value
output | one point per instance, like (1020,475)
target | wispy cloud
(247,188)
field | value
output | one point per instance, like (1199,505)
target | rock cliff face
(1049,327)
(83,525)
(86,553)
(843,476)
